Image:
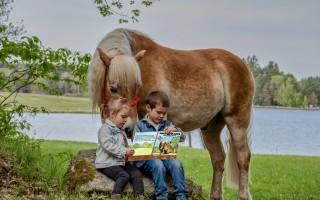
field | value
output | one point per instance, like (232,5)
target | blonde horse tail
(232,165)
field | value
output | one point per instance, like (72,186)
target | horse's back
(200,83)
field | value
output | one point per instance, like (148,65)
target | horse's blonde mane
(123,69)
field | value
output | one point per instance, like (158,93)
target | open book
(148,145)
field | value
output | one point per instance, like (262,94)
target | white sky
(285,31)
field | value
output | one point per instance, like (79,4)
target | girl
(112,151)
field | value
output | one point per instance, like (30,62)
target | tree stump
(82,176)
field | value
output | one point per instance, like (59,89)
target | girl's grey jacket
(112,145)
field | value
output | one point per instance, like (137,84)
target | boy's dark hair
(158,97)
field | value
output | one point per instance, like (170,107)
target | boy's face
(156,115)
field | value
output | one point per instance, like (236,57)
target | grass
(55,104)
(272,177)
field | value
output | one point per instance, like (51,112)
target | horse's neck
(142,42)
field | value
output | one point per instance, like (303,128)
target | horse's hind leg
(239,151)
(211,135)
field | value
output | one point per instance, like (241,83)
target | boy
(157,105)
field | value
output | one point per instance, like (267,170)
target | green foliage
(28,63)
(288,95)
(22,152)
(272,176)
(310,87)
(9,29)
(274,88)
(108,8)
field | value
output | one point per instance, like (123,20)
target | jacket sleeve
(108,142)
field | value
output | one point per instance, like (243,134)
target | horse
(166,148)
(208,89)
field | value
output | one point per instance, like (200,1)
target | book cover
(148,145)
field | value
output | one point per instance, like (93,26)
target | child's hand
(129,152)
(169,129)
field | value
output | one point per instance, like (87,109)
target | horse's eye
(113,89)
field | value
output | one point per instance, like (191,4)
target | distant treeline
(273,87)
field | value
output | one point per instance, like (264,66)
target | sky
(286,31)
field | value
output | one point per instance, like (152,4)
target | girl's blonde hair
(114,106)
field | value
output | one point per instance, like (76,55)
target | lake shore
(71,104)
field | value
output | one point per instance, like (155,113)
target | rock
(99,183)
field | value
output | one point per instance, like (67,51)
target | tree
(277,81)
(27,63)
(252,63)
(288,95)
(108,8)
(313,99)
(305,102)
(9,29)
(311,85)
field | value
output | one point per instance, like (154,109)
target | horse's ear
(139,55)
(104,57)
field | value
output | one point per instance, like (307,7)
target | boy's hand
(129,152)
(169,129)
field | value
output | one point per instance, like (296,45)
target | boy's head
(157,105)
(158,98)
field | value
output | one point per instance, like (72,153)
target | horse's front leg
(211,136)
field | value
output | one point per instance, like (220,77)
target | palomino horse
(208,89)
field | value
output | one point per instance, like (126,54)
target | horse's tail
(232,165)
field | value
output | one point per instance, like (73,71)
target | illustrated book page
(148,145)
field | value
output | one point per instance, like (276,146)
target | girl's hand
(129,152)
(169,129)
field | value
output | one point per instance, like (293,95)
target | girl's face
(156,115)
(121,118)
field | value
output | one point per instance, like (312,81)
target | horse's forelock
(125,72)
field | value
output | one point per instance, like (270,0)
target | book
(149,145)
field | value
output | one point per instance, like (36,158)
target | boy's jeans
(158,170)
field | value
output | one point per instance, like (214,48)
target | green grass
(52,103)
(272,177)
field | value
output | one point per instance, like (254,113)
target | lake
(273,131)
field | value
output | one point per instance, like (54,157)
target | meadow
(272,176)
(54,104)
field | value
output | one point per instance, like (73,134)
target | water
(274,131)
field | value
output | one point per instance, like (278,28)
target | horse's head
(119,76)
(165,147)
